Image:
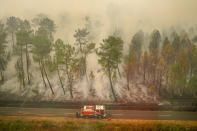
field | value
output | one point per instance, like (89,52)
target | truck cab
(100,111)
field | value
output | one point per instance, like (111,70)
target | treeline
(168,66)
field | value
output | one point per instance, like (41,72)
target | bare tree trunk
(113,92)
(128,82)
(22,69)
(154,77)
(47,78)
(27,62)
(119,72)
(166,77)
(13,40)
(71,88)
(80,47)
(191,72)
(144,75)
(2,77)
(159,84)
(60,79)
(82,68)
(41,70)
(70,82)
(85,68)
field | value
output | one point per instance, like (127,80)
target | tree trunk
(119,71)
(85,68)
(191,72)
(22,70)
(128,82)
(144,75)
(27,62)
(70,82)
(113,92)
(41,70)
(60,79)
(166,77)
(71,89)
(13,40)
(47,78)
(2,77)
(80,47)
(160,83)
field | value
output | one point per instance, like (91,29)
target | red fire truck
(87,111)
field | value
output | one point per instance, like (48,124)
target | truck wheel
(77,114)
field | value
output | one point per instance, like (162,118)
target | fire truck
(89,111)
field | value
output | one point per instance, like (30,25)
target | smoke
(106,17)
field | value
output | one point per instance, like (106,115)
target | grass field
(9,123)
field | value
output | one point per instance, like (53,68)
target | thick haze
(119,13)
(128,16)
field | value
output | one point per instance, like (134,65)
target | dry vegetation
(58,124)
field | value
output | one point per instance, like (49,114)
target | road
(117,114)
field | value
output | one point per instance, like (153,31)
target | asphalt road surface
(117,114)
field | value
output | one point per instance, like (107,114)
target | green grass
(66,124)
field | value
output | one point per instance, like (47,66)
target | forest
(35,65)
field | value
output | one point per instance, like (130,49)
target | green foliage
(175,67)
(192,85)
(165,42)
(178,73)
(3,41)
(13,24)
(110,53)
(23,37)
(176,42)
(69,54)
(168,54)
(136,44)
(44,24)
(37,20)
(81,37)
(25,26)
(192,58)
(194,39)
(3,46)
(130,64)
(154,43)
(48,25)
(3,55)
(185,41)
(59,51)
(89,48)
(41,44)
(85,48)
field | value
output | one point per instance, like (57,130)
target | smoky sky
(155,11)
(127,15)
